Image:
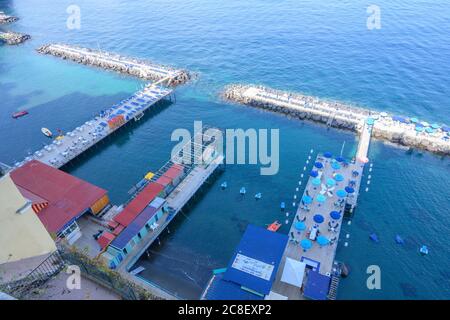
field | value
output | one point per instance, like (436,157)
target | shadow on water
(177,269)
(119,137)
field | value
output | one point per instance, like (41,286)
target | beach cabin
(58,198)
(134,232)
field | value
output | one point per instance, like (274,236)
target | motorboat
(47,132)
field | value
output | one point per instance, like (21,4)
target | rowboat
(19,114)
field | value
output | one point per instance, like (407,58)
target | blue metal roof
(133,228)
(225,290)
(264,248)
(317,286)
(157,202)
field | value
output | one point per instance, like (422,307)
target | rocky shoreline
(14,38)
(139,68)
(339,115)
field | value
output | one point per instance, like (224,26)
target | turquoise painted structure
(124,243)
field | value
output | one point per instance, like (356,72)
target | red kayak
(19,114)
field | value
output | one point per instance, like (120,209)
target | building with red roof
(58,197)
(138,204)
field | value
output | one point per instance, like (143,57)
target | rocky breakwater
(399,130)
(131,66)
(332,114)
(13,38)
(4,18)
(434,140)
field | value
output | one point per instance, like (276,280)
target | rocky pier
(396,129)
(126,65)
(13,38)
(4,18)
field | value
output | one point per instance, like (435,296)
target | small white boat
(242,191)
(224,185)
(46,132)
(258,195)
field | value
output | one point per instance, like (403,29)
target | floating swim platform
(423,250)
(274,226)
(399,239)
(374,237)
(282,205)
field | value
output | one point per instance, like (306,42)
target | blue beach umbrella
(327,154)
(429,130)
(419,128)
(414,120)
(306,199)
(318,165)
(341,193)
(340,159)
(349,190)
(339,177)
(322,241)
(445,128)
(331,182)
(335,165)
(300,226)
(335,215)
(316,182)
(321,198)
(435,126)
(306,244)
(313,173)
(318,218)
(370,121)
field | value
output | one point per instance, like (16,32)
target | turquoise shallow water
(317,47)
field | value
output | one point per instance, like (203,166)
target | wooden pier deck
(198,173)
(330,228)
(67,147)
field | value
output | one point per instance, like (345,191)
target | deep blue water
(317,47)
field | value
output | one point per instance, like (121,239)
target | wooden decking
(324,255)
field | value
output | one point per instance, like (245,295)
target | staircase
(332,293)
(51,266)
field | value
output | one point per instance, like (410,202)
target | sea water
(322,48)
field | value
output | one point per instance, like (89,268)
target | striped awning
(37,207)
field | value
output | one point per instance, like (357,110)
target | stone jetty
(135,67)
(397,129)
(13,38)
(4,18)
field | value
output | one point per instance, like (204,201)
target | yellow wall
(21,235)
(100,204)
